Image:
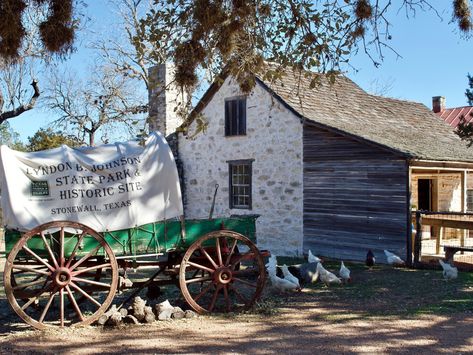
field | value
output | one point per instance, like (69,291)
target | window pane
(240,189)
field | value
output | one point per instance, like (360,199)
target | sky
(434,61)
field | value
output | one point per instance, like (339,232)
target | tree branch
(23,108)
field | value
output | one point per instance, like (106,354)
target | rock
(177,313)
(102,319)
(115,319)
(129,319)
(190,314)
(150,318)
(123,312)
(138,306)
(162,306)
(165,314)
(149,315)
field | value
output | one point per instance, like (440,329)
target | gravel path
(302,326)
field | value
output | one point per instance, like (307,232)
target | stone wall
(448,187)
(274,141)
(164,99)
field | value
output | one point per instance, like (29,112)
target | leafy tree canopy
(48,139)
(465,128)
(10,138)
(240,36)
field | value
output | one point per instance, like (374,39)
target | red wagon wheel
(222,271)
(55,265)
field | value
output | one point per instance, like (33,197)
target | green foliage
(240,36)
(465,128)
(10,138)
(48,139)
(384,291)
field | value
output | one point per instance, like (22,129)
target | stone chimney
(164,99)
(438,104)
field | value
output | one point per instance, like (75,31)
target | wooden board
(355,197)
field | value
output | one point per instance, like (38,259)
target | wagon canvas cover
(109,187)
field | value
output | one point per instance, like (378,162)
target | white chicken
(344,273)
(271,264)
(282,284)
(326,276)
(290,277)
(393,259)
(311,258)
(449,272)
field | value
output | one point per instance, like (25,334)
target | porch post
(463,203)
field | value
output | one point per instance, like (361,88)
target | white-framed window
(240,172)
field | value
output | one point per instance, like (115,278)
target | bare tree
(128,51)
(104,103)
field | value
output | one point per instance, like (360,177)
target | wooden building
(332,169)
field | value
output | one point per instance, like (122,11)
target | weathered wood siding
(355,197)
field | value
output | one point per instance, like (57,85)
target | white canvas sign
(109,187)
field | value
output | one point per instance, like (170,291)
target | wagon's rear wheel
(222,271)
(55,265)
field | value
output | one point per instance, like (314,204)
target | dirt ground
(301,325)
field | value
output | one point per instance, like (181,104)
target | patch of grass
(388,291)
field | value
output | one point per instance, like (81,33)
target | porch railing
(435,231)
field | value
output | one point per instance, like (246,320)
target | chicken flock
(294,277)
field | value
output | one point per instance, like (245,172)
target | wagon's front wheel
(55,265)
(222,271)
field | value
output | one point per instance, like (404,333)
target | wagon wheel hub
(223,276)
(62,277)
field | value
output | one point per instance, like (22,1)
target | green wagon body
(152,238)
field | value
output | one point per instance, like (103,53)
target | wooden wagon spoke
(198,279)
(48,248)
(61,306)
(61,247)
(238,294)
(203,292)
(85,294)
(33,270)
(95,267)
(28,284)
(46,308)
(232,250)
(74,303)
(214,298)
(74,251)
(202,267)
(41,260)
(35,297)
(55,277)
(96,283)
(228,306)
(244,282)
(203,251)
(85,257)
(219,251)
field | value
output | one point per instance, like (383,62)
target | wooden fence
(437,232)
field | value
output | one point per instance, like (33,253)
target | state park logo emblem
(39,188)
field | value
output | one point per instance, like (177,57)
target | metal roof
(452,115)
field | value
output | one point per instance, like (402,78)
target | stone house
(333,169)
(452,116)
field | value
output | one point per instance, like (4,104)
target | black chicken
(370,259)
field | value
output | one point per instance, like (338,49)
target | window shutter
(242,116)
(227,118)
